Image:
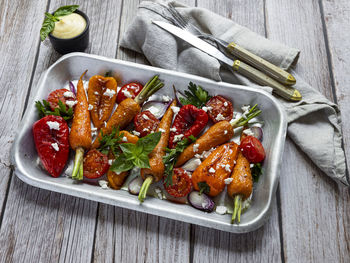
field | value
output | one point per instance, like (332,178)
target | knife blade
(259,77)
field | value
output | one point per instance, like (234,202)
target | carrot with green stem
(128,108)
(156,171)
(217,134)
(80,134)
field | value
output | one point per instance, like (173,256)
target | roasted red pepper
(189,121)
(51,141)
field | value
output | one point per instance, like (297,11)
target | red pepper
(189,121)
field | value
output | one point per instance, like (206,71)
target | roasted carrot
(80,134)
(241,186)
(156,172)
(217,134)
(128,108)
(116,180)
(217,167)
(102,93)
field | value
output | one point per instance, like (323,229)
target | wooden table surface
(310,219)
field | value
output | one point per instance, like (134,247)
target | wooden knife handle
(261,78)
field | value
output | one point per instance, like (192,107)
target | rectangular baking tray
(70,67)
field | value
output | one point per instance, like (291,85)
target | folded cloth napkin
(314,122)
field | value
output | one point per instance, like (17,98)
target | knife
(259,77)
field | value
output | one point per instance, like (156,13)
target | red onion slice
(258,132)
(72,88)
(157,108)
(135,185)
(178,95)
(201,202)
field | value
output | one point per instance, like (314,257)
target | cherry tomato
(57,95)
(219,105)
(95,164)
(52,143)
(145,122)
(182,183)
(252,149)
(130,90)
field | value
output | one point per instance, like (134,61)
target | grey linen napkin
(314,122)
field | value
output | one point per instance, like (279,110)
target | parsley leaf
(170,158)
(44,109)
(110,142)
(196,96)
(203,188)
(256,171)
(135,154)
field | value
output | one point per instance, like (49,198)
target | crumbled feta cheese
(206,109)
(68,94)
(145,129)
(234,162)
(220,117)
(245,108)
(90,107)
(124,139)
(221,210)
(105,123)
(175,109)
(225,131)
(159,192)
(251,165)
(145,117)
(103,184)
(109,92)
(161,130)
(248,132)
(195,147)
(53,125)
(96,93)
(153,110)
(110,162)
(212,170)
(225,104)
(178,137)
(227,168)
(173,129)
(228,180)
(166,98)
(94,133)
(93,129)
(71,103)
(55,146)
(127,93)
(136,133)
(245,175)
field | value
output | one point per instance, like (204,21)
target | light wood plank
(17,52)
(313,208)
(262,245)
(128,236)
(61,228)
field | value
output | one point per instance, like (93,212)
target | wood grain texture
(128,236)
(314,214)
(262,245)
(61,227)
(17,51)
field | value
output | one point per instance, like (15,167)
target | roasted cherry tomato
(57,95)
(219,109)
(95,164)
(130,90)
(252,149)
(182,183)
(52,143)
(145,122)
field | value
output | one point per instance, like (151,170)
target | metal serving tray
(71,66)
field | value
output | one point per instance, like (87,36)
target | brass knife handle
(261,78)
(260,63)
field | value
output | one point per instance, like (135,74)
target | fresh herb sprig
(170,158)
(110,141)
(49,21)
(44,109)
(135,155)
(256,171)
(196,96)
(203,188)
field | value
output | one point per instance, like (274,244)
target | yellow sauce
(69,26)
